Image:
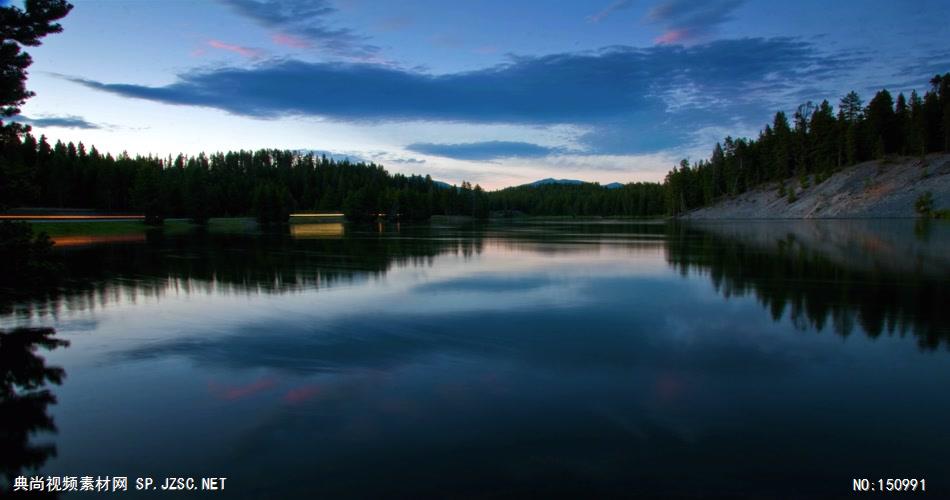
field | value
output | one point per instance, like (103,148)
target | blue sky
(494,92)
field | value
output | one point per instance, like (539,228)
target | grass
(112,228)
(89,228)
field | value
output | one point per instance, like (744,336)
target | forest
(272,183)
(639,199)
(268,184)
(816,144)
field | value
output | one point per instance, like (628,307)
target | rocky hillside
(883,188)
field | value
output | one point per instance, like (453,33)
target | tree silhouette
(24,399)
(20,28)
(819,144)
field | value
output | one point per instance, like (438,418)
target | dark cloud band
(489,150)
(620,89)
(57,121)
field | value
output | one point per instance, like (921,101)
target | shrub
(804,181)
(26,260)
(925,204)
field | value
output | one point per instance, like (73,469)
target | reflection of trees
(278,263)
(24,399)
(789,275)
(261,263)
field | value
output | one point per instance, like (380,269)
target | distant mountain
(551,180)
(569,182)
(545,182)
(332,156)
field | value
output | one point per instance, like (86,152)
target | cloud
(672,36)
(610,9)
(388,157)
(489,150)
(335,156)
(635,99)
(290,41)
(248,52)
(408,161)
(935,62)
(299,22)
(69,121)
(690,20)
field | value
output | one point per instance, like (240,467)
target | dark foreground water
(546,359)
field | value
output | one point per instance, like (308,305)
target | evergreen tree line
(631,200)
(268,184)
(817,143)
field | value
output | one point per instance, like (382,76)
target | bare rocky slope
(874,189)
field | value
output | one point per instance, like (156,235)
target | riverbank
(885,188)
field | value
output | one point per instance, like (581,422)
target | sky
(493,92)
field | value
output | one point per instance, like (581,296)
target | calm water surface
(586,359)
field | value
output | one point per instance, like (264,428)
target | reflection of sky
(688,73)
(504,276)
(577,364)
(592,366)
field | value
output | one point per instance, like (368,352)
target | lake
(545,358)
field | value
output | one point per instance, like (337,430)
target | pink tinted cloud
(290,41)
(672,36)
(237,49)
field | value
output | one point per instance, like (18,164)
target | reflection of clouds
(77,325)
(577,362)
(543,323)
(299,395)
(621,399)
(234,392)
(506,273)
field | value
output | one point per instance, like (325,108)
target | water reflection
(835,274)
(24,400)
(886,277)
(202,262)
(522,359)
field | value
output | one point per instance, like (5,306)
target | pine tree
(915,133)
(882,130)
(20,28)
(901,124)
(781,149)
(146,194)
